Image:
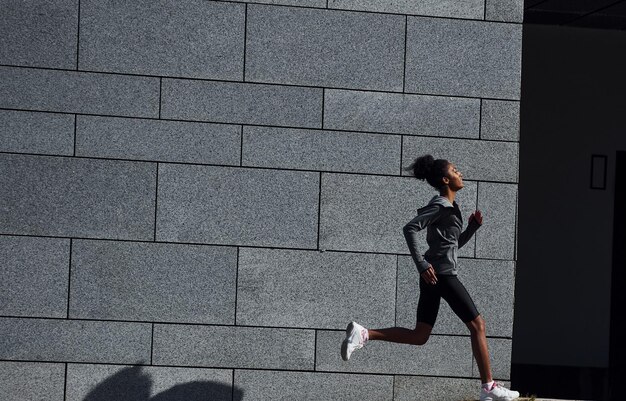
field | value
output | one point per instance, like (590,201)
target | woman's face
(455,178)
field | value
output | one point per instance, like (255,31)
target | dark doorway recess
(560,382)
(571,382)
(617,352)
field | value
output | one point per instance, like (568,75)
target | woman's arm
(475,221)
(426,215)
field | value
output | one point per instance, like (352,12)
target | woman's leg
(479,348)
(427,310)
(417,336)
(456,295)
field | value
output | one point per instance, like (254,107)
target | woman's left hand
(478,216)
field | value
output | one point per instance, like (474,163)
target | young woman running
(438,274)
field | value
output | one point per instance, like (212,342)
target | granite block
(74,340)
(410,388)
(33,276)
(500,357)
(31,132)
(308,46)
(490,283)
(291,288)
(473,9)
(466,199)
(110,382)
(367,213)
(301,3)
(39,33)
(496,238)
(170,141)
(32,381)
(500,120)
(321,150)
(63,196)
(189,38)
(153,282)
(505,10)
(440,356)
(312,386)
(466,58)
(79,92)
(237,206)
(476,159)
(401,113)
(241,103)
(233,347)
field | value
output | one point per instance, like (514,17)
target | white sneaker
(355,339)
(498,393)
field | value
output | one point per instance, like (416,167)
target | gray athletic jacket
(444,222)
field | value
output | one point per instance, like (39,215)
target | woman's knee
(421,333)
(477,325)
(420,339)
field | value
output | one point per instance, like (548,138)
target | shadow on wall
(131,384)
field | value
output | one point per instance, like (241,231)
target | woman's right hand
(429,275)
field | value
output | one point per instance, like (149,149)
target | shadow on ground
(131,384)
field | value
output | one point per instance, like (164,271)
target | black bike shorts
(449,288)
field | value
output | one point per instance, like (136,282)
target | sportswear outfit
(444,235)
(443,223)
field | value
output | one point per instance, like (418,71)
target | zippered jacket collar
(440,200)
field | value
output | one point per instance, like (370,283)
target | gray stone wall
(197,196)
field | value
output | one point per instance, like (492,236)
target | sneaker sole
(344,350)
(344,344)
(500,399)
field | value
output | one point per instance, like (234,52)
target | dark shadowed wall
(573,107)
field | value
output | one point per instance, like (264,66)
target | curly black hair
(430,169)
